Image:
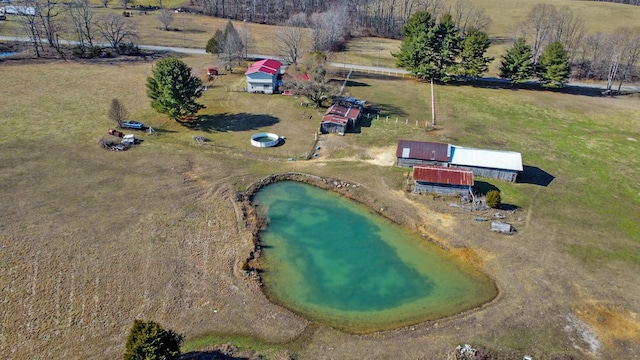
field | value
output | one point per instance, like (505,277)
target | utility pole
(433,107)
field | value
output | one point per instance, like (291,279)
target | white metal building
(496,164)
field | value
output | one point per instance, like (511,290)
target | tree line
(550,46)
(383,18)
(49,19)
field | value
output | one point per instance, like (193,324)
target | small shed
(495,164)
(412,153)
(262,76)
(503,228)
(338,119)
(442,180)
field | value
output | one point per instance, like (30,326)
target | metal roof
(494,159)
(267,66)
(339,114)
(423,150)
(443,175)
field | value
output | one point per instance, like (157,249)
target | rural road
(365,68)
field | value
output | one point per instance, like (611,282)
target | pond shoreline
(255,223)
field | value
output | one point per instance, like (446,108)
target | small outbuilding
(262,76)
(412,153)
(495,164)
(442,180)
(338,119)
(503,228)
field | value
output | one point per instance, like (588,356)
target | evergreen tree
(214,45)
(227,45)
(517,63)
(417,50)
(149,341)
(473,63)
(173,90)
(447,47)
(554,66)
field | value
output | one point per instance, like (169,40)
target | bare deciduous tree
(115,30)
(105,3)
(82,18)
(546,24)
(468,16)
(319,86)
(537,27)
(289,43)
(165,16)
(117,112)
(31,27)
(329,29)
(624,50)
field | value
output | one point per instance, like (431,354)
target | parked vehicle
(132,125)
(129,139)
(115,132)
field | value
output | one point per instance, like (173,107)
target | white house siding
(261,82)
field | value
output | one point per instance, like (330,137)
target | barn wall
(327,128)
(505,175)
(406,162)
(422,187)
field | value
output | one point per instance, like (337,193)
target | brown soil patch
(611,323)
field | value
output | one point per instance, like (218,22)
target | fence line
(396,120)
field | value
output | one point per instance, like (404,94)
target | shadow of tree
(482,187)
(496,83)
(230,122)
(535,176)
(210,355)
(384,109)
(351,83)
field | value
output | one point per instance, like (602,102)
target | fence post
(406,121)
(416,122)
(378,117)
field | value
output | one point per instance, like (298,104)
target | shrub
(493,199)
(149,341)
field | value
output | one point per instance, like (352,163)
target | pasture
(93,239)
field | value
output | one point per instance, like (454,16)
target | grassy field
(92,239)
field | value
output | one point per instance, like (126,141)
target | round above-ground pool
(265,140)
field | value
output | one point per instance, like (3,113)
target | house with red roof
(262,76)
(442,180)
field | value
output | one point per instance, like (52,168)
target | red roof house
(262,76)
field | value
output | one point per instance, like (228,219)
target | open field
(92,239)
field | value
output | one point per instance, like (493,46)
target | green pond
(335,262)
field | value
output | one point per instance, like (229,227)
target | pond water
(5,54)
(335,262)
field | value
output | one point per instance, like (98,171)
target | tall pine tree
(173,90)
(473,63)
(447,48)
(553,66)
(417,51)
(517,63)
